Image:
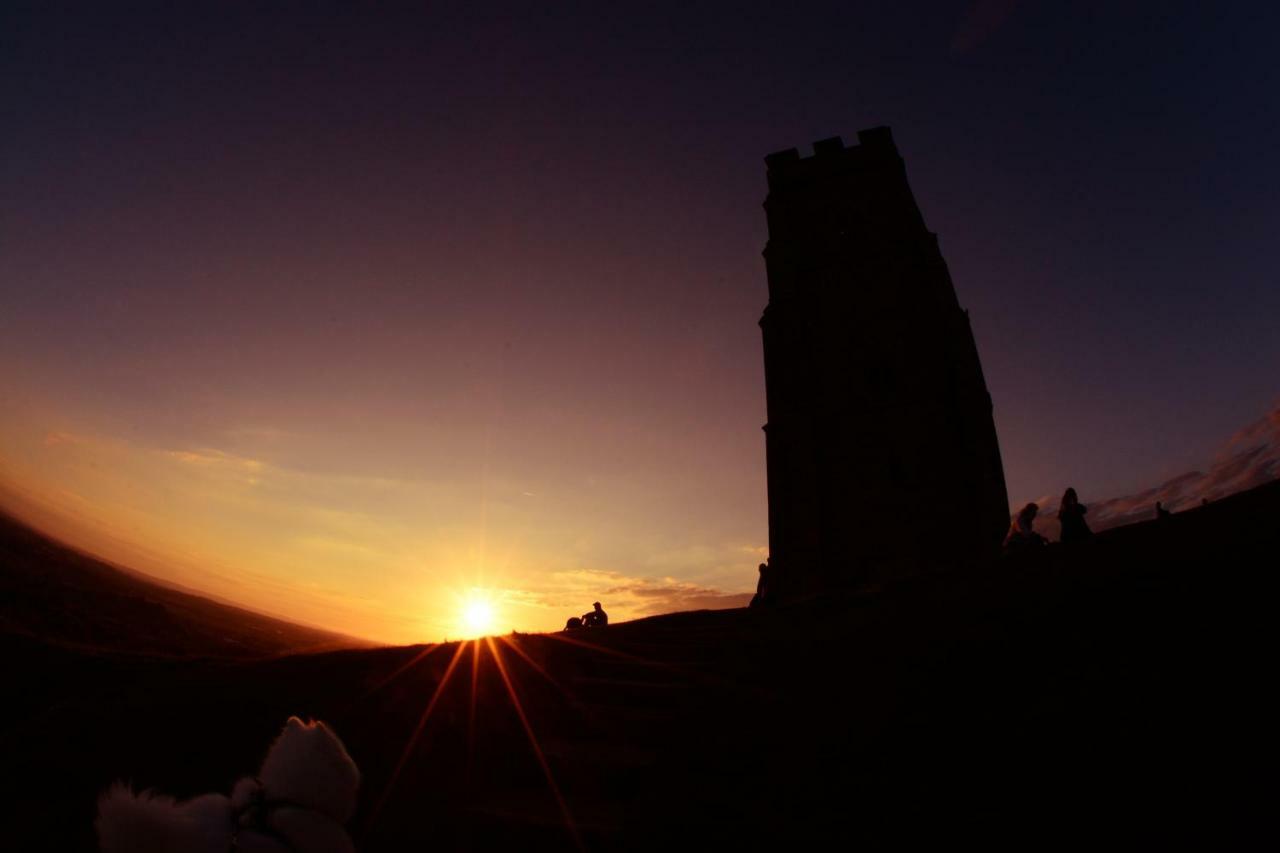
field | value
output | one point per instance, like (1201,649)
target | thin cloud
(59,438)
(208,457)
(628,597)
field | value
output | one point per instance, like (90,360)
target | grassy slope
(1112,694)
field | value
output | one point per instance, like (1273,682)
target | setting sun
(479,616)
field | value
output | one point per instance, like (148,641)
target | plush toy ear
(295,723)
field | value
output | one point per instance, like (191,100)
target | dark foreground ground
(1112,695)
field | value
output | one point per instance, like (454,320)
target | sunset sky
(346,315)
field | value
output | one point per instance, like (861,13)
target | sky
(355,314)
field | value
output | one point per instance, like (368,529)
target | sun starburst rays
(535,745)
(472,649)
(417,730)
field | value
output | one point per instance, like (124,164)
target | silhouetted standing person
(596,618)
(762,587)
(1022,532)
(1071,515)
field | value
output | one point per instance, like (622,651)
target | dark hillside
(57,594)
(1116,694)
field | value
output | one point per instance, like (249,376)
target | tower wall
(882,456)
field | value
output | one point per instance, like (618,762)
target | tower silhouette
(881,449)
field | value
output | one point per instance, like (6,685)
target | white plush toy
(299,802)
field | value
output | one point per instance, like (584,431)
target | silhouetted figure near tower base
(1022,535)
(761,597)
(1071,516)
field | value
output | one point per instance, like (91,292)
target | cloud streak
(568,593)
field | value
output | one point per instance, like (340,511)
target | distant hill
(1248,459)
(59,595)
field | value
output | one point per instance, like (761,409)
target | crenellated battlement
(875,145)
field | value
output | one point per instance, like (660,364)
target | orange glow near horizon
(351,552)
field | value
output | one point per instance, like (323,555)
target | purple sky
(511,255)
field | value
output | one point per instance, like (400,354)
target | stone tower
(881,449)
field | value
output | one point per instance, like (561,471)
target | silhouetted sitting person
(1161,512)
(1022,534)
(762,587)
(574,623)
(1071,515)
(596,618)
